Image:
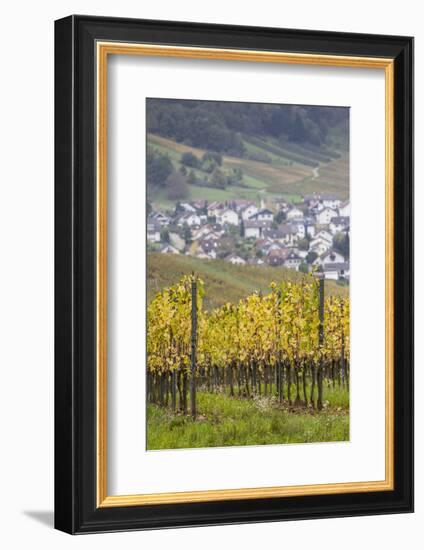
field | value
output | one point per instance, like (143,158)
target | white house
(263,215)
(160,218)
(248,211)
(322,242)
(189,219)
(294,214)
(319,247)
(205,232)
(153,231)
(330,201)
(187,207)
(310,230)
(293,260)
(324,216)
(325,200)
(325,235)
(336,271)
(288,234)
(344,209)
(227,216)
(235,260)
(214,208)
(168,249)
(329,257)
(254,229)
(299,226)
(338,224)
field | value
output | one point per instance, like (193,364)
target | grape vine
(265,345)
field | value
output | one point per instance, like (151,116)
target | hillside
(281,177)
(254,151)
(224,282)
(221,125)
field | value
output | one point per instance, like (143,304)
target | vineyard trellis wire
(289,343)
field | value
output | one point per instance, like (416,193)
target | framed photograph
(234,274)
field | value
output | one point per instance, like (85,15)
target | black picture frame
(76,510)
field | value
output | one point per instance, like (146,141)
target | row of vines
(290,344)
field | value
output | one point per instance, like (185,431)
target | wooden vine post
(279,356)
(343,365)
(193,347)
(320,337)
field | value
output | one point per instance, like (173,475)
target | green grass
(254,182)
(286,175)
(230,421)
(224,282)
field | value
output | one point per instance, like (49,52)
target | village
(309,235)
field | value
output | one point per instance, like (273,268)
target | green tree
(242,230)
(189,159)
(280,217)
(209,165)
(158,168)
(219,179)
(192,179)
(311,257)
(304,268)
(210,155)
(176,186)
(164,235)
(187,235)
(236,177)
(341,244)
(303,244)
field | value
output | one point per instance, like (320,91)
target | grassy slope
(225,421)
(224,282)
(266,180)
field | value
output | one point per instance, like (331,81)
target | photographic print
(202,274)
(248,228)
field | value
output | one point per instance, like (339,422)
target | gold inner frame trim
(104,49)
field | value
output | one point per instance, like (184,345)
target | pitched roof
(264,224)
(169,247)
(278,255)
(198,204)
(340,220)
(329,252)
(287,229)
(215,204)
(240,204)
(293,256)
(234,256)
(322,197)
(263,212)
(342,266)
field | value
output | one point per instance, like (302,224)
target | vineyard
(290,344)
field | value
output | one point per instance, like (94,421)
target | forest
(221,149)
(220,126)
